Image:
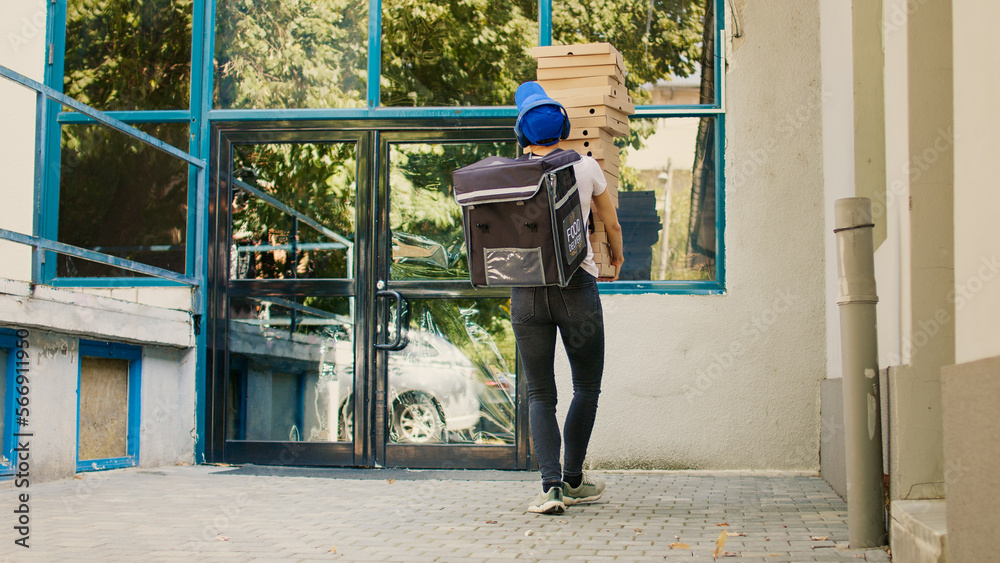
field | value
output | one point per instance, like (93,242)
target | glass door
(343,327)
(448,396)
(289,321)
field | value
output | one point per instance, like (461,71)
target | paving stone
(217,514)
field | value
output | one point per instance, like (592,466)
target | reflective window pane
(455,380)
(667,200)
(293,211)
(445,53)
(123,55)
(291,370)
(426,223)
(664,43)
(122,197)
(291,54)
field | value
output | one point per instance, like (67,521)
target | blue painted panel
(133,354)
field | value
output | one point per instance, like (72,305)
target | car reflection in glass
(436,395)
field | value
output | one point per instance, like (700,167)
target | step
(918,531)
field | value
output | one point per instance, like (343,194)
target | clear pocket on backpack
(513,267)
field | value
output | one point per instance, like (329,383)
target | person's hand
(617,262)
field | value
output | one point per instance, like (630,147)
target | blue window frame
(8,389)
(16,364)
(200,113)
(133,356)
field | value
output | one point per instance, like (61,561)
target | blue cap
(540,119)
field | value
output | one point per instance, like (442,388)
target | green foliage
(129,54)
(658,38)
(456,52)
(315,179)
(291,53)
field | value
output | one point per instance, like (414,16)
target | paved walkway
(209,513)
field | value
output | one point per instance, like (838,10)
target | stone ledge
(92,316)
(919,531)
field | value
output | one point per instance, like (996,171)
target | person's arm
(604,207)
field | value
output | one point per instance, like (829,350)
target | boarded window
(103,408)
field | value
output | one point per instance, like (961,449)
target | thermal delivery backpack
(522,219)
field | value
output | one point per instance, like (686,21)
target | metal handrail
(39,243)
(107,259)
(100,116)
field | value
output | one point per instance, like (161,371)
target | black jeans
(536,313)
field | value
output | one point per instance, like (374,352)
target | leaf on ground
(819,538)
(721,541)
(221,538)
(529,532)
(723,524)
(491,521)
(390,481)
(332,549)
(679,545)
(735,534)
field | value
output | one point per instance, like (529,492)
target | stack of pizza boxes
(589,80)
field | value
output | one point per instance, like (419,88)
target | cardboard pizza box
(581,72)
(583,60)
(591,111)
(592,96)
(620,104)
(580,82)
(609,124)
(567,50)
(601,140)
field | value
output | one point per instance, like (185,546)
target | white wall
(892,259)
(977,197)
(838,151)
(22,49)
(732,381)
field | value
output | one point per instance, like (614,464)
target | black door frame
(372,242)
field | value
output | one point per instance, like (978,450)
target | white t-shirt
(590,182)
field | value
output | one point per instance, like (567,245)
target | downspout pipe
(866,523)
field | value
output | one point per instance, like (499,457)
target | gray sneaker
(550,502)
(589,490)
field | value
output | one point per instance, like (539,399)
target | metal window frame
(201,115)
(118,351)
(7,424)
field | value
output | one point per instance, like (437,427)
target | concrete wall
(22,49)
(970,395)
(732,381)
(56,319)
(971,388)
(977,144)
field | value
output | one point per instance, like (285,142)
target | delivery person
(536,313)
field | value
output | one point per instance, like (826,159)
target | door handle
(402,320)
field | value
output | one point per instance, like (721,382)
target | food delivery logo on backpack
(572,229)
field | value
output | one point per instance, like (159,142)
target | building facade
(321,234)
